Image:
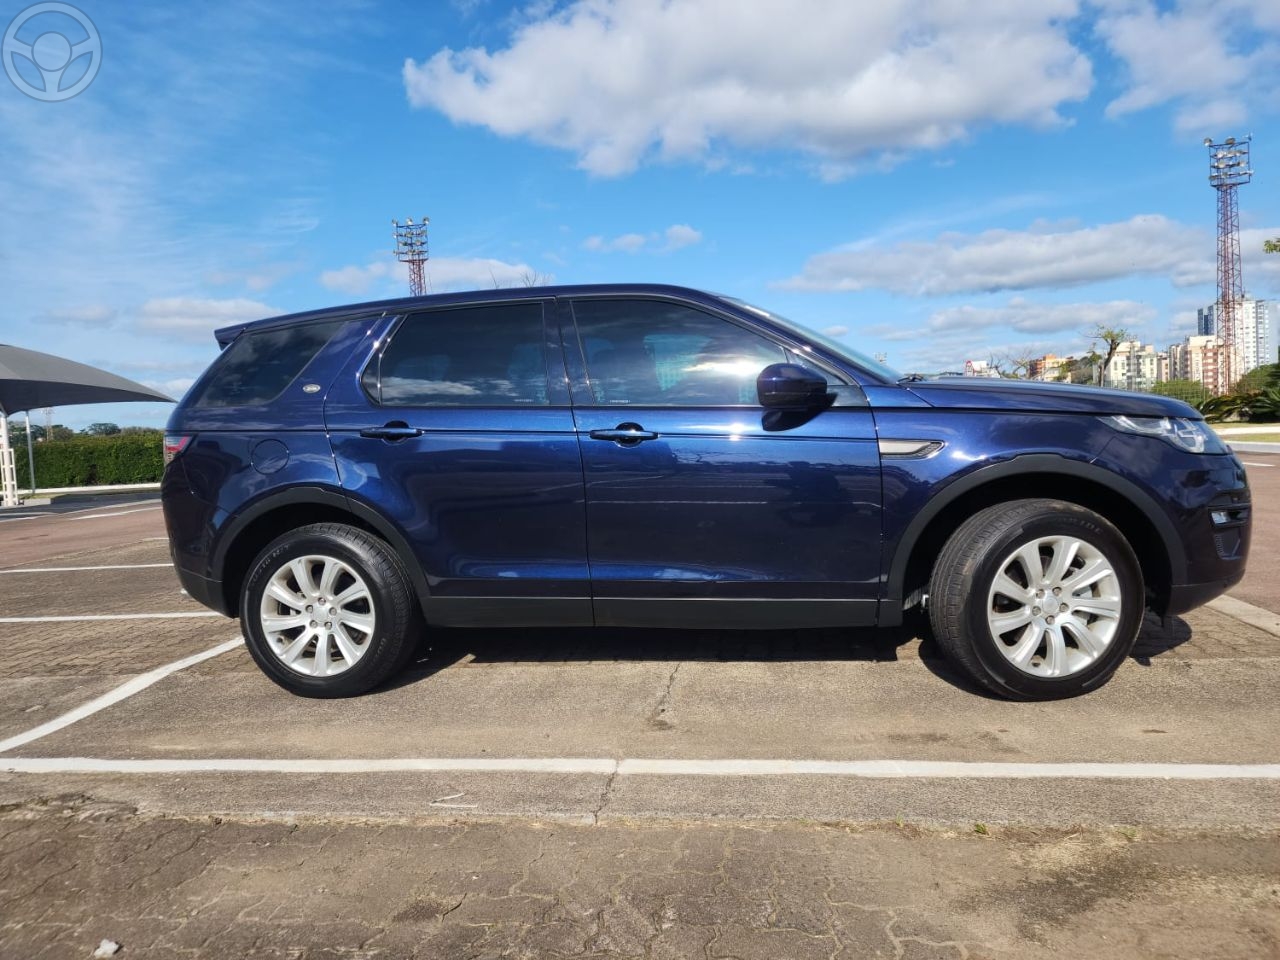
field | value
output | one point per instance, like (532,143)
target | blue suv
(644,455)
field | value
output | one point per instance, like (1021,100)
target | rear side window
(257,367)
(468,356)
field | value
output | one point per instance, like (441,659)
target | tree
(102,429)
(1191,391)
(1112,337)
(59,432)
(1271,246)
(1017,362)
(1259,378)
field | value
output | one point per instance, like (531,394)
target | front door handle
(624,434)
(395,430)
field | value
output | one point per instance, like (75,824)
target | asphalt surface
(620,793)
(1261,584)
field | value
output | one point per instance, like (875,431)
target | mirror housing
(789,386)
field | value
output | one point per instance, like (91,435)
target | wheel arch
(1146,527)
(248,532)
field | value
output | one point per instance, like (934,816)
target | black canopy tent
(30,379)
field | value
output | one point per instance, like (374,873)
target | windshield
(879,369)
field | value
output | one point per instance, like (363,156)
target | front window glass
(834,347)
(470,356)
(652,353)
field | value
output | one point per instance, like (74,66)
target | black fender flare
(319,496)
(1026,464)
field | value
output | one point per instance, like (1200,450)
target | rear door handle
(624,434)
(395,430)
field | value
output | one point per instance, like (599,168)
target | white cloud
(625,243)
(258,278)
(681,235)
(839,330)
(1211,58)
(195,318)
(675,237)
(1024,316)
(1043,256)
(933,356)
(1261,270)
(443,273)
(88,315)
(617,81)
(173,388)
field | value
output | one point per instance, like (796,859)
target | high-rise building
(1256,335)
(1196,358)
(1205,321)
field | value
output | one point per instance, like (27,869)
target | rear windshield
(257,367)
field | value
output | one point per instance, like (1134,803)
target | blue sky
(936,180)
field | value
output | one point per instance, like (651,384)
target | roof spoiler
(227,334)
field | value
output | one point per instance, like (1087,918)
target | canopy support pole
(8,474)
(31,457)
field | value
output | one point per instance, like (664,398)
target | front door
(456,433)
(701,505)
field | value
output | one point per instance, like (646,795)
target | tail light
(174,444)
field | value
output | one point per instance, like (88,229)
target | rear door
(459,430)
(701,505)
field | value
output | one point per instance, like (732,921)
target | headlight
(1189,435)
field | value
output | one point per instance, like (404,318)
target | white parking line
(111,616)
(872,769)
(117,513)
(1250,463)
(122,692)
(105,566)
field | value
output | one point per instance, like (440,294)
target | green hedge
(85,461)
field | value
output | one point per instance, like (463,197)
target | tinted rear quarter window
(257,367)
(465,356)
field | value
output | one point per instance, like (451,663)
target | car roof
(404,304)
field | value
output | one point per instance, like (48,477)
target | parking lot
(617,793)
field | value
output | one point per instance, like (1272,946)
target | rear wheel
(328,611)
(1037,599)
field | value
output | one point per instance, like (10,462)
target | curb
(1263,619)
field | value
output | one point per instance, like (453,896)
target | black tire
(398,618)
(965,572)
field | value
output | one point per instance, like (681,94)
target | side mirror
(789,386)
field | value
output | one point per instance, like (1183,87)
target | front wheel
(328,611)
(1037,599)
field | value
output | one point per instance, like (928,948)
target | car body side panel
(238,455)
(724,503)
(489,499)
(731,506)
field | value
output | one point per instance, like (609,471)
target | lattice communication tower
(1228,169)
(411,248)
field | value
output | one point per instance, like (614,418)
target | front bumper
(1215,534)
(1188,596)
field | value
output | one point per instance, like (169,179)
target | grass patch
(1270,437)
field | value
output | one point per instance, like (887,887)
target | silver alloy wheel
(317,615)
(1055,606)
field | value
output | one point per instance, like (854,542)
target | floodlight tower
(1228,169)
(411,248)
